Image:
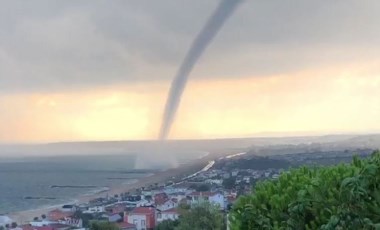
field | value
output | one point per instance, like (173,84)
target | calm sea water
(38,177)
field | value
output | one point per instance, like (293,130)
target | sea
(39,182)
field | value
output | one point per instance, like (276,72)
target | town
(219,183)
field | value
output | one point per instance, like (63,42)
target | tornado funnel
(200,43)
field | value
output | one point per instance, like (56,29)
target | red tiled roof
(143,210)
(57,214)
(160,201)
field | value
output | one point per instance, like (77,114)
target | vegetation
(86,218)
(229,183)
(200,187)
(346,196)
(103,225)
(203,216)
(254,162)
(167,225)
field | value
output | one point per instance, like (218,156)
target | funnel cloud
(200,43)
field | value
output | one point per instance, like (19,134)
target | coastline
(173,174)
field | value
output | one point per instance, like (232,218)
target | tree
(229,183)
(345,196)
(103,225)
(35,218)
(203,216)
(43,216)
(167,225)
(200,187)
(86,218)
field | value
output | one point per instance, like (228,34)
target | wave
(121,178)
(97,191)
(39,198)
(73,186)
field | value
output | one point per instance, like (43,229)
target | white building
(218,199)
(214,181)
(142,217)
(168,204)
(4,220)
(95,209)
(40,223)
(212,197)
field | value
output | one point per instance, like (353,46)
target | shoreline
(173,174)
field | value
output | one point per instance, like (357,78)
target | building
(143,218)
(166,204)
(115,209)
(68,208)
(57,214)
(4,220)
(95,209)
(215,198)
(112,217)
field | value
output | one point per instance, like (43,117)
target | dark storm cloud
(68,44)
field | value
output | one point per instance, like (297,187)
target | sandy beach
(174,174)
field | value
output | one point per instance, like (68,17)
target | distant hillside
(253,162)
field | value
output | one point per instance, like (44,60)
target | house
(166,204)
(115,209)
(41,223)
(143,218)
(213,197)
(143,203)
(4,220)
(235,173)
(214,181)
(112,217)
(68,208)
(170,214)
(160,197)
(57,214)
(73,222)
(95,209)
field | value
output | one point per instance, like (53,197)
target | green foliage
(201,187)
(86,218)
(167,225)
(103,225)
(204,216)
(229,183)
(346,196)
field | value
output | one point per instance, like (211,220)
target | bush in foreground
(346,196)
(203,216)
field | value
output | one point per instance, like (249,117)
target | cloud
(63,45)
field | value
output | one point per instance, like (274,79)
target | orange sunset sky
(72,71)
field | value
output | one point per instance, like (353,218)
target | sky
(100,70)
